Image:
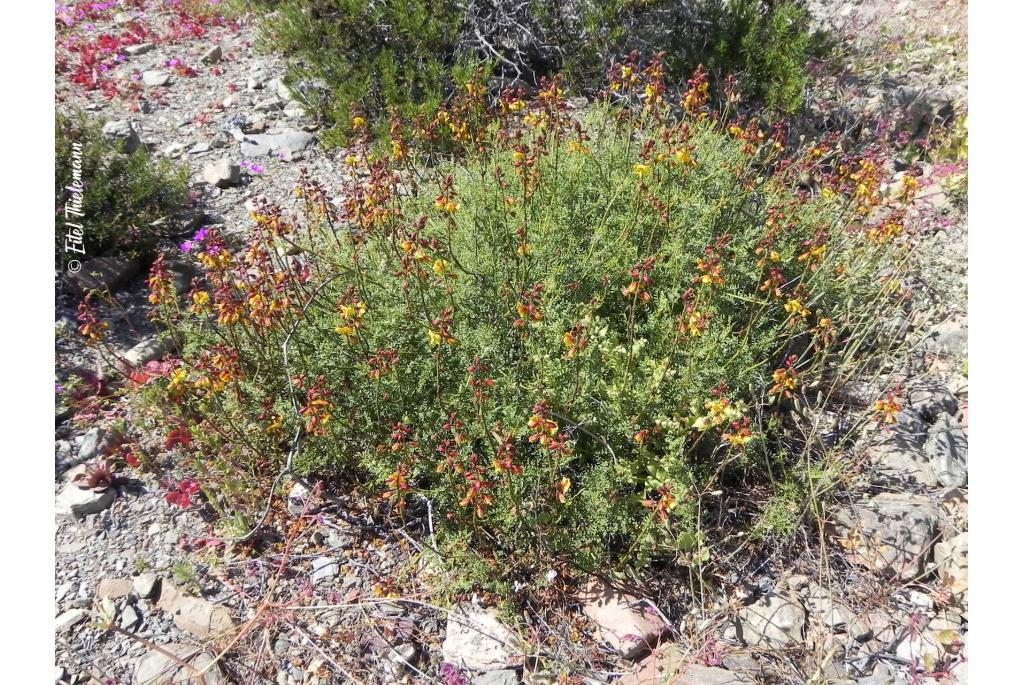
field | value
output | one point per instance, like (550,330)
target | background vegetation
(358,58)
(125,194)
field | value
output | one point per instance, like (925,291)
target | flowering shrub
(123,194)
(562,338)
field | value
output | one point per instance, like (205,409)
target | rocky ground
(346,594)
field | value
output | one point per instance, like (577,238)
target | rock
(122,134)
(339,540)
(140,49)
(629,624)
(948,338)
(898,452)
(156,667)
(946,449)
(114,588)
(269,105)
(69,619)
(505,676)
(891,534)
(951,562)
(930,398)
(97,442)
(294,110)
(153,78)
(103,273)
(289,141)
(820,605)
(213,55)
(129,618)
(324,568)
(75,502)
(194,615)
(145,584)
(151,349)
(298,498)
(925,648)
(672,665)
(774,621)
(401,658)
(797,582)
(881,675)
(475,639)
(742,661)
(283,91)
(222,173)
(173,150)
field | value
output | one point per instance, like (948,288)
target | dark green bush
(411,55)
(124,194)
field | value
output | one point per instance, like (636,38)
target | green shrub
(409,56)
(563,341)
(124,194)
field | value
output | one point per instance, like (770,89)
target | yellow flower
(440,267)
(562,489)
(524,250)
(351,160)
(683,156)
(641,169)
(797,307)
(434,337)
(358,122)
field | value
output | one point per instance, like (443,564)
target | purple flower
(187,246)
(200,235)
(104,67)
(252,167)
(58,388)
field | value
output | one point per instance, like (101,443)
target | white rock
(150,349)
(477,640)
(259,145)
(76,502)
(140,49)
(144,584)
(222,173)
(155,78)
(774,621)
(324,568)
(156,667)
(69,619)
